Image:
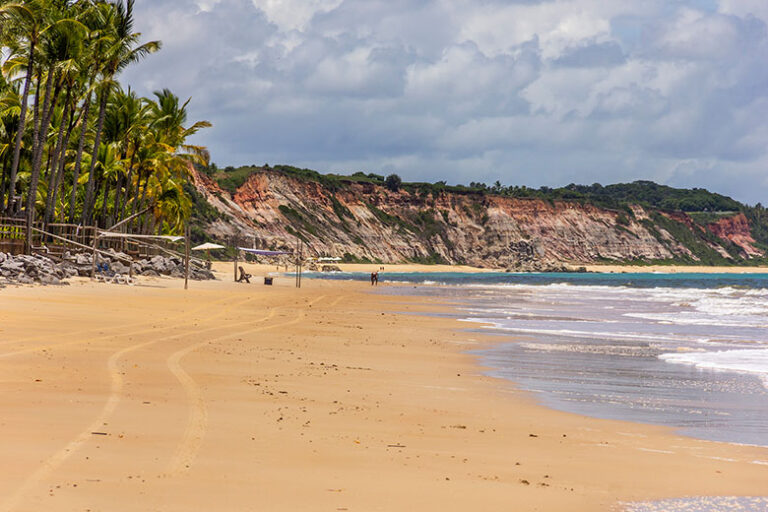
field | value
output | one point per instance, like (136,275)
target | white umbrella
(207,247)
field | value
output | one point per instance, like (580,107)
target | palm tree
(21,24)
(58,34)
(121,50)
(66,123)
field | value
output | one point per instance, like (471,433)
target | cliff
(364,221)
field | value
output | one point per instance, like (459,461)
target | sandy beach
(247,397)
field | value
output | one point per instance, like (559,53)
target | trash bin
(268,281)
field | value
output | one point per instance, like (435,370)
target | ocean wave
(749,361)
(613,350)
(494,323)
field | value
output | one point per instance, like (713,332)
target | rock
(25,269)
(24,279)
(49,280)
(118,268)
(83,259)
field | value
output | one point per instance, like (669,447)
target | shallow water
(701,504)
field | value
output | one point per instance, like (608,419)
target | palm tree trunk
(41,129)
(53,175)
(143,221)
(20,132)
(138,181)
(60,173)
(79,158)
(89,193)
(103,216)
(74,118)
(116,202)
(128,185)
(36,113)
(3,179)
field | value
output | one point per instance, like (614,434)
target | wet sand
(247,397)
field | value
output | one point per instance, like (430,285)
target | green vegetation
(300,222)
(393,182)
(76,146)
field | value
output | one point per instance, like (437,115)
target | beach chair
(123,279)
(106,275)
(244,277)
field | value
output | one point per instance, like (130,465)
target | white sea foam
(494,323)
(750,361)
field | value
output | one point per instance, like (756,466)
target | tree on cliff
(393,182)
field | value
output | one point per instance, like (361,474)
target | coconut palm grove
(76,145)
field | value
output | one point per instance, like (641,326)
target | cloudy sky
(522,91)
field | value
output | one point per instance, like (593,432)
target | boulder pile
(30,269)
(41,269)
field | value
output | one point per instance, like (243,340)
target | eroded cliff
(365,221)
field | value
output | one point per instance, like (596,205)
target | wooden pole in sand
(186,257)
(94,254)
(301,260)
(234,243)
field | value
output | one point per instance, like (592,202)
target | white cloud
(294,14)
(525,91)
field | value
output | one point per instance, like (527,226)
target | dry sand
(250,398)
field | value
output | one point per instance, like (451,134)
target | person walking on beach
(376,278)
(373,278)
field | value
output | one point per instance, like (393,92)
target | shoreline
(226,268)
(328,397)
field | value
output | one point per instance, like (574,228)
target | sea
(689,351)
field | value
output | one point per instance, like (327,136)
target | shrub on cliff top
(393,182)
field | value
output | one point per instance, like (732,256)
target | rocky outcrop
(364,221)
(25,269)
(31,269)
(736,229)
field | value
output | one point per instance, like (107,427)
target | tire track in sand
(197,424)
(116,386)
(116,327)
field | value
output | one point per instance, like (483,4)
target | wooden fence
(12,235)
(13,239)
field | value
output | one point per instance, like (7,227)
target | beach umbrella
(207,247)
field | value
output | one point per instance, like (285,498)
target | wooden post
(94,255)
(186,257)
(234,243)
(301,261)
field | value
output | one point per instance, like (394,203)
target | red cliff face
(736,229)
(367,221)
